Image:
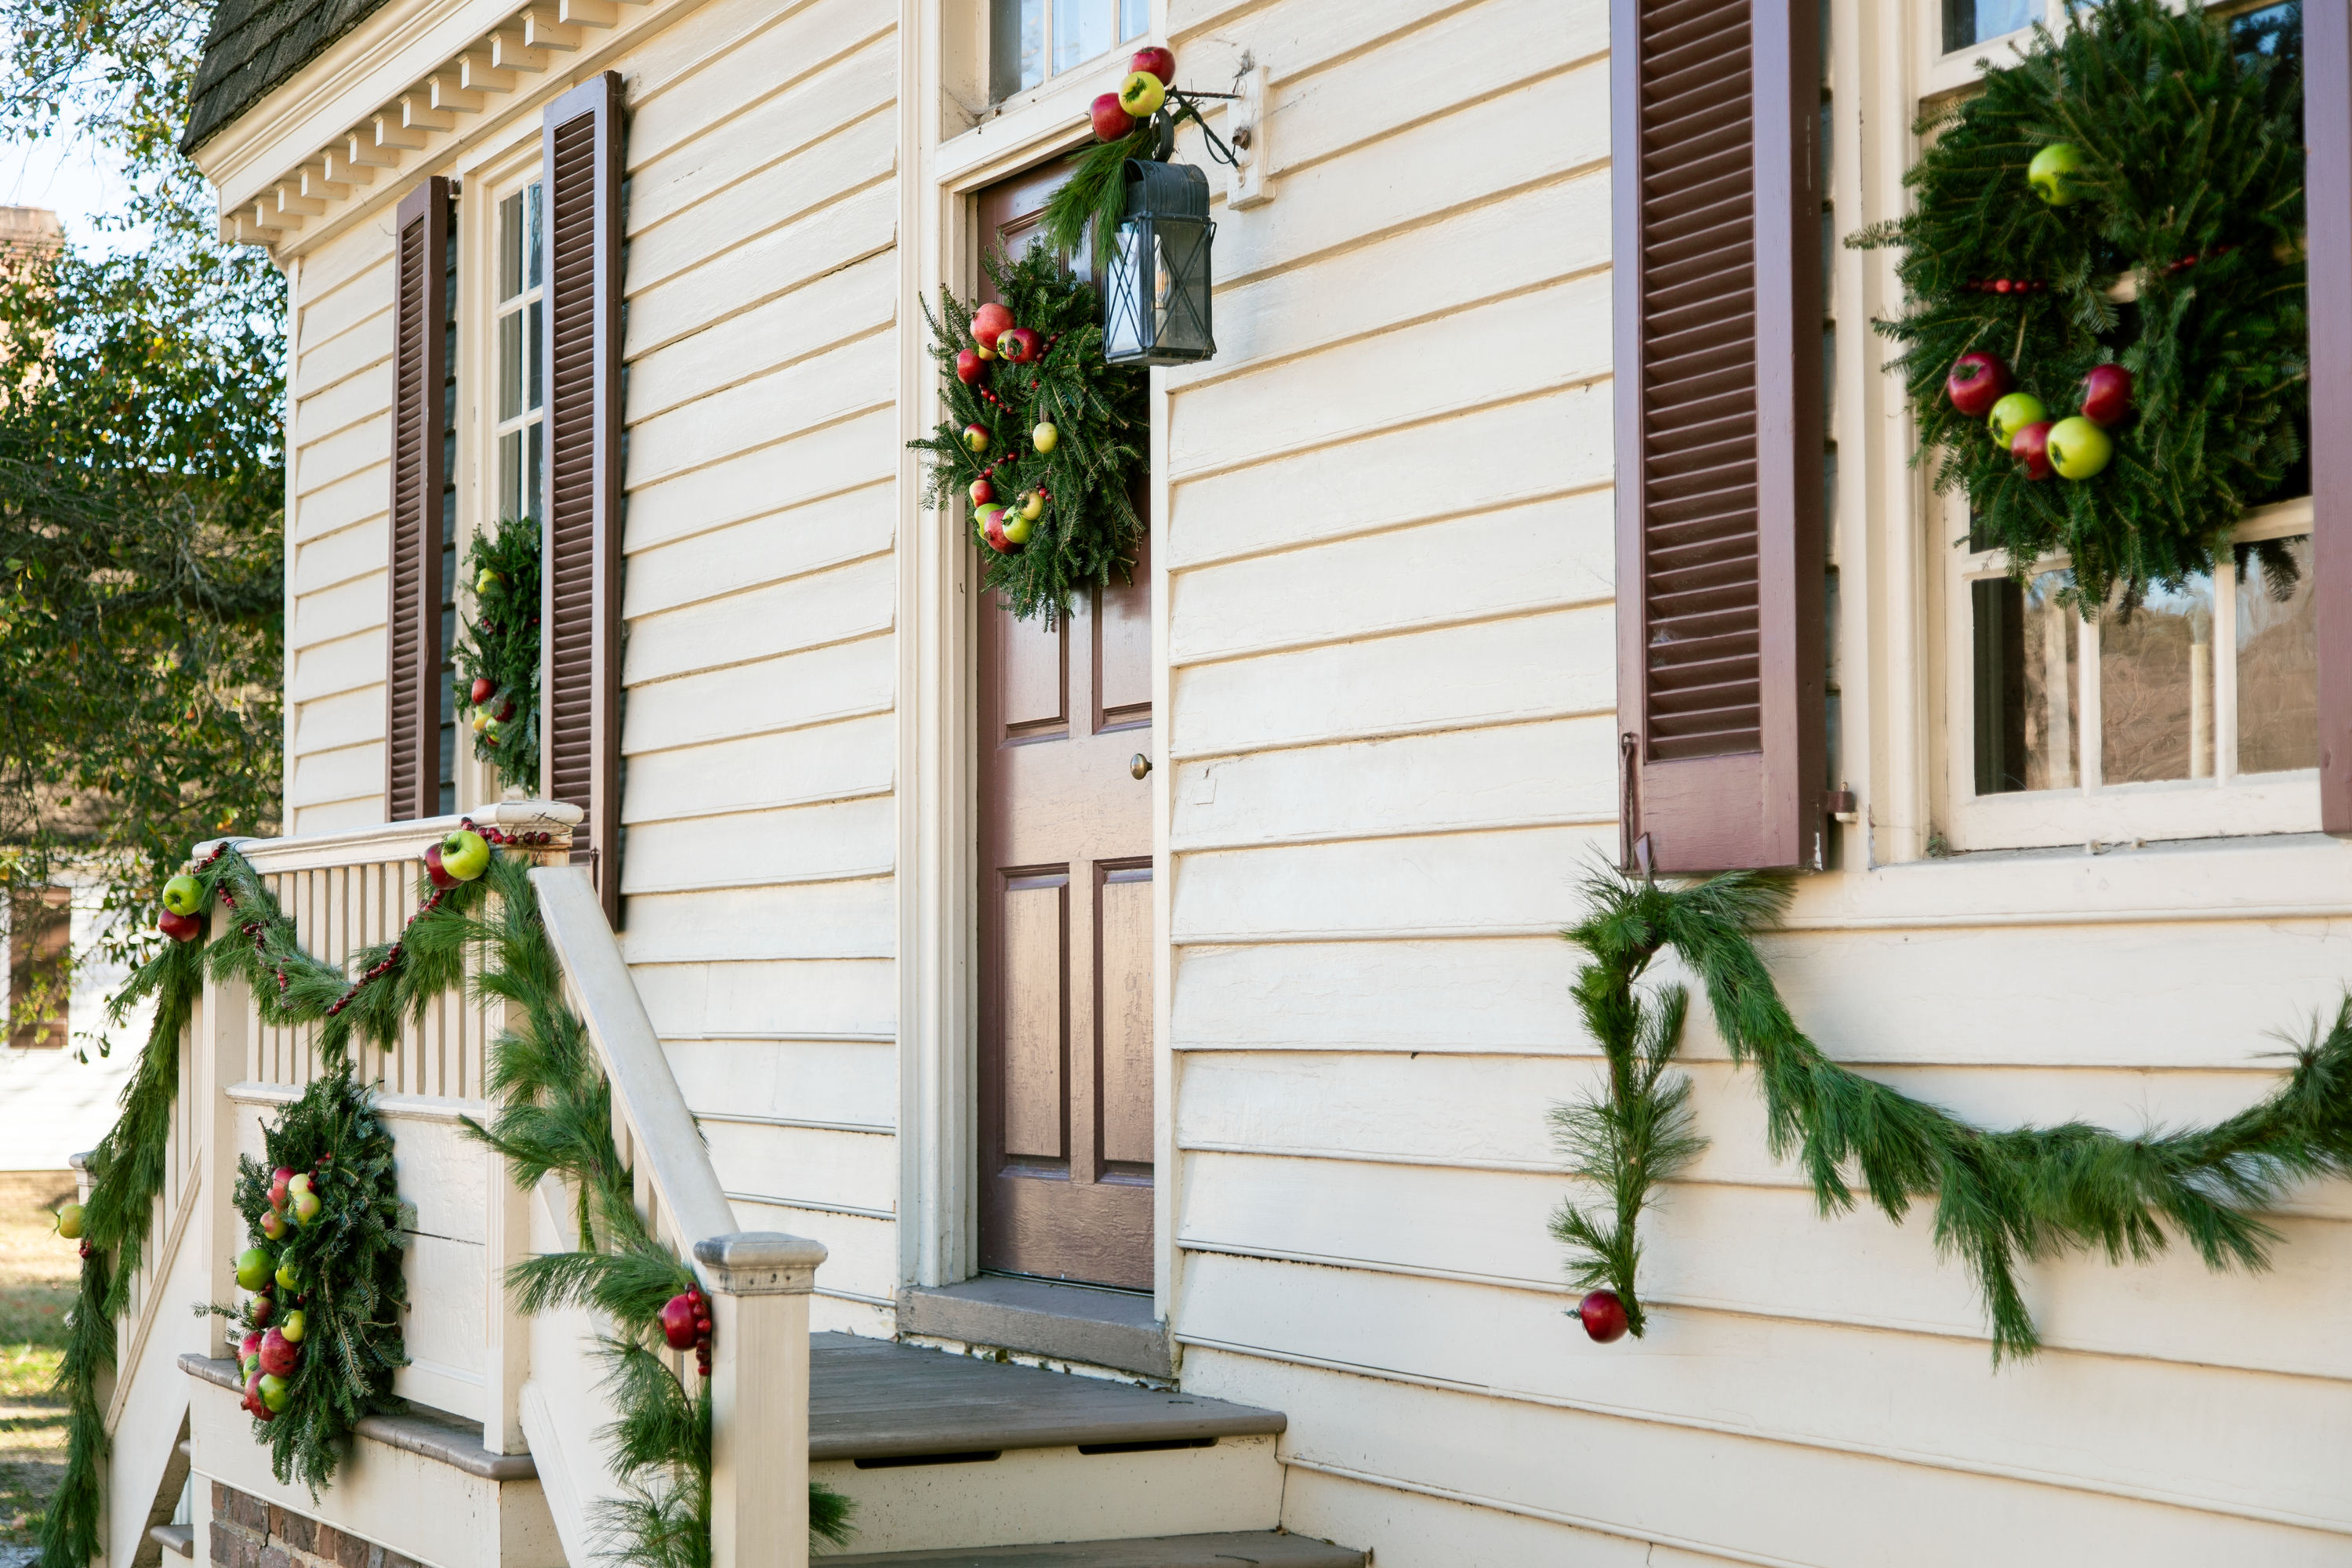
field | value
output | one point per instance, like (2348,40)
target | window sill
(2282,876)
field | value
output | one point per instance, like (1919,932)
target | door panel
(1065,983)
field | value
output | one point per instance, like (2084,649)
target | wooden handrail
(395,840)
(624,1036)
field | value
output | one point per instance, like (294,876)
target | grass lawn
(37,1270)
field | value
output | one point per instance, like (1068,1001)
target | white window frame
(499,311)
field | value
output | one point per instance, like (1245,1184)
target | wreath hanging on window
(497,657)
(1042,437)
(2105,339)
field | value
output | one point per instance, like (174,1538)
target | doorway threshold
(1087,1324)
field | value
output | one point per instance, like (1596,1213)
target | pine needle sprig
(500,644)
(2001,1198)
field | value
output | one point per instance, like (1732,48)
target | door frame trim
(937,778)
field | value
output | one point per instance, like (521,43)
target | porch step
(875,1399)
(945,1454)
(179,1538)
(1268,1548)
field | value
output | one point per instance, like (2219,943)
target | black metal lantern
(1156,304)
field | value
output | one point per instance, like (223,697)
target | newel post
(759,1283)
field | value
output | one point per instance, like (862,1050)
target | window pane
(2271,30)
(510,365)
(2025,685)
(531,446)
(533,352)
(1970,22)
(2278,668)
(1016,46)
(510,247)
(1134,16)
(532,251)
(1083,29)
(510,474)
(2156,687)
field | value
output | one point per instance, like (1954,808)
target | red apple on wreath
(2107,394)
(2030,446)
(970,368)
(990,322)
(1976,383)
(1020,346)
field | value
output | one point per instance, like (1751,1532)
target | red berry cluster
(2187,261)
(2006,286)
(517,840)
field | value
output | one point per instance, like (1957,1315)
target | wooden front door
(1065,1092)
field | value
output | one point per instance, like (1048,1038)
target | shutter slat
(580,608)
(412,755)
(1719,445)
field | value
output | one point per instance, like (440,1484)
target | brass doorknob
(1139,765)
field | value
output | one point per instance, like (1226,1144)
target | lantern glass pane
(1180,294)
(1122,298)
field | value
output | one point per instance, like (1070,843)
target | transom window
(521,438)
(1030,41)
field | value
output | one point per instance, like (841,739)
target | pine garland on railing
(560,1121)
(2001,1197)
(127,1172)
(556,1117)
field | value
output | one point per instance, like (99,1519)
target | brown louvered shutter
(2328,217)
(420,491)
(581,619)
(1718,263)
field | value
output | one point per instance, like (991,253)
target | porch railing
(531,1383)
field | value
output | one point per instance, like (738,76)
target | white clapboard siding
(798,767)
(800,844)
(1421,1529)
(832,458)
(858,298)
(1550,554)
(810,1167)
(1753,1498)
(861,1258)
(836,996)
(801,613)
(1553,445)
(1487,995)
(338,428)
(1529,667)
(809,919)
(825,534)
(844,1081)
(839,681)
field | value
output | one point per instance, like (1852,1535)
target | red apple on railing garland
(2030,446)
(678,1316)
(180,928)
(1976,383)
(990,322)
(435,869)
(2107,394)
(970,368)
(1159,62)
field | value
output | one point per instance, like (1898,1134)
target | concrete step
(944,1453)
(179,1538)
(1269,1549)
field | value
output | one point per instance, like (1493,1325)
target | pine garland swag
(556,1116)
(127,1172)
(501,646)
(2191,185)
(1089,529)
(2001,1197)
(347,1266)
(662,1438)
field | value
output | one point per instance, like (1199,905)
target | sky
(68,176)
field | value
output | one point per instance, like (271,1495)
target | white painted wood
(1417,1531)
(818,920)
(1060,1494)
(827,998)
(822,390)
(838,680)
(804,612)
(1482,995)
(806,843)
(818,463)
(798,767)
(806,1167)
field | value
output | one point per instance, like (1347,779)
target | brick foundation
(250,1534)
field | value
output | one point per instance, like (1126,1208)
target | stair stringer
(149,1406)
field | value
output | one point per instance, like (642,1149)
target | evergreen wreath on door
(2105,338)
(1042,437)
